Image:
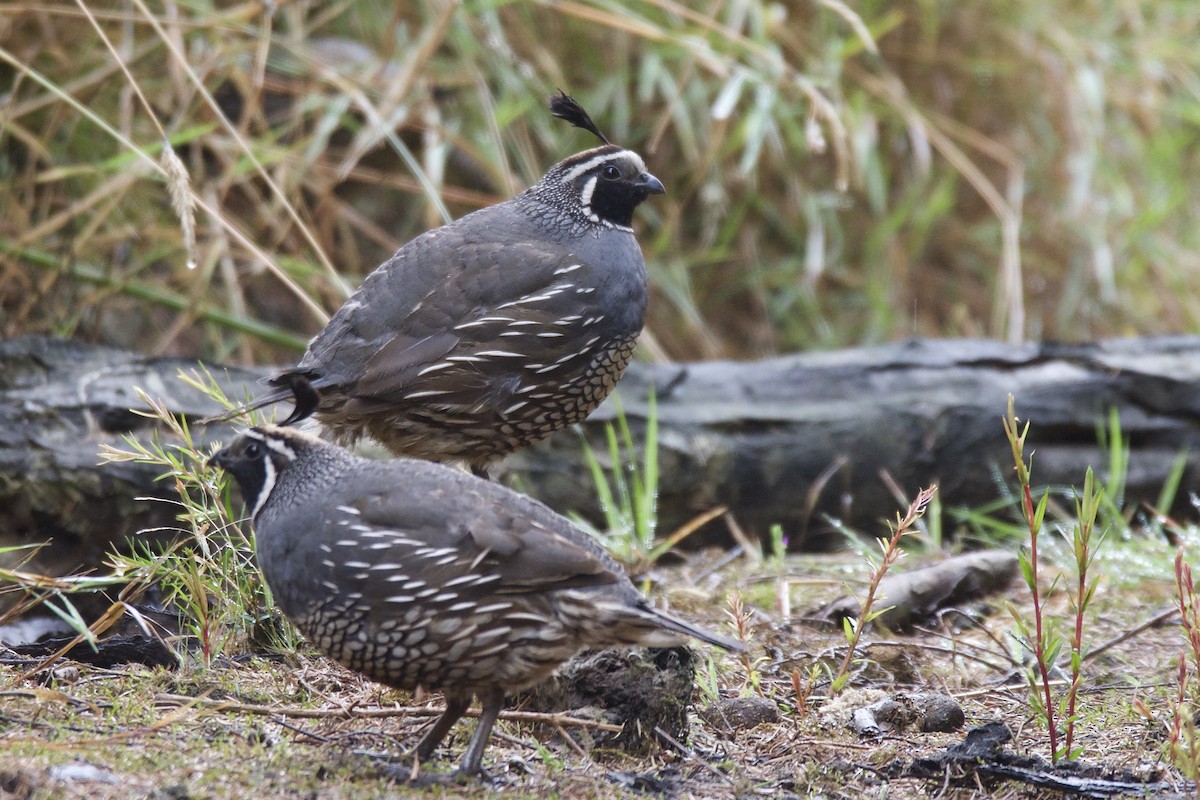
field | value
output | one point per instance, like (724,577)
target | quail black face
(255,462)
(606,184)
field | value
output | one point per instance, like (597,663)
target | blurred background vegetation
(837,173)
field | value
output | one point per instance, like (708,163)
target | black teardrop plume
(565,107)
(307,398)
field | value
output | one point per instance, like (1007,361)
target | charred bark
(795,440)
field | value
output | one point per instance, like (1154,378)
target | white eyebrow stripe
(600,158)
(580,169)
(276,446)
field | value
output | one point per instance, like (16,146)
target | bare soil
(298,725)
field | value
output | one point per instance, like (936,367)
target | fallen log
(908,599)
(59,402)
(794,440)
(800,439)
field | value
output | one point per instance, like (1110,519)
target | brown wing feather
(442,359)
(527,553)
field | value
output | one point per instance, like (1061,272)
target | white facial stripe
(269,476)
(585,196)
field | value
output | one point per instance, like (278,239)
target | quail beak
(216,460)
(649,184)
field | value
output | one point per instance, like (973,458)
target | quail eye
(253,450)
(610,172)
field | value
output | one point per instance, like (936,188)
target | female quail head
(416,574)
(482,336)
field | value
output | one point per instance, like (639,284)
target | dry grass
(837,174)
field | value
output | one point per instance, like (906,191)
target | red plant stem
(1077,639)
(889,558)
(891,554)
(1189,613)
(1039,638)
(1176,735)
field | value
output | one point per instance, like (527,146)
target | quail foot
(419,575)
(485,335)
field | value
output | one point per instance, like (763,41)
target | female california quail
(417,574)
(487,334)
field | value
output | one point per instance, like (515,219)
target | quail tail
(663,620)
(632,625)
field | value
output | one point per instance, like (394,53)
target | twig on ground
(690,755)
(1157,619)
(229,706)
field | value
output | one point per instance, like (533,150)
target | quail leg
(456,706)
(472,761)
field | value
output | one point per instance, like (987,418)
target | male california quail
(417,574)
(482,336)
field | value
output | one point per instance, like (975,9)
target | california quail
(482,336)
(417,574)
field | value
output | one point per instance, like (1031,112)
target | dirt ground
(300,726)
